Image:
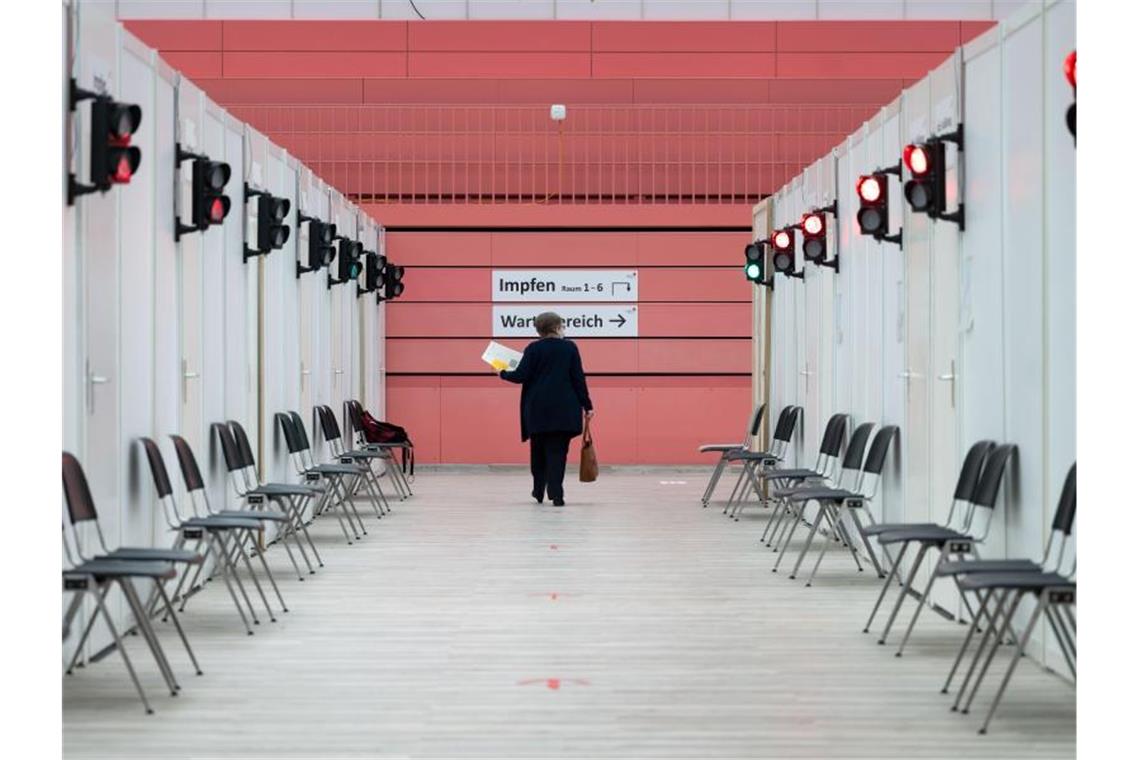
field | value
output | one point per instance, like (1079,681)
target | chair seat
(874,530)
(222,523)
(272,515)
(284,489)
(107,568)
(789,474)
(812,492)
(970,567)
(337,469)
(154,554)
(1018,581)
(925,533)
(723,447)
(745,454)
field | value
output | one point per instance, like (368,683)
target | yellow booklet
(500,357)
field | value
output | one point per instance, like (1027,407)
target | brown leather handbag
(588,461)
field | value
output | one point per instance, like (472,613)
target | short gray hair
(547,323)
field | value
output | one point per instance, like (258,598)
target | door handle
(906,374)
(952,378)
(187,375)
(92,381)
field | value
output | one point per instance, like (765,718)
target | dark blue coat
(553,387)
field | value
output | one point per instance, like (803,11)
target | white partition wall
(167,337)
(957,335)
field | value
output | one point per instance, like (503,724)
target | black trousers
(548,462)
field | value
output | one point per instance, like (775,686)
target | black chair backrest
(292,441)
(972,469)
(1067,504)
(229,447)
(329,426)
(191,475)
(833,435)
(157,468)
(853,459)
(242,441)
(757,418)
(985,495)
(80,505)
(355,415)
(788,419)
(299,429)
(877,456)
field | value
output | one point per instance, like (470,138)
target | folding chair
(724,449)
(1003,578)
(291,498)
(835,504)
(773,455)
(330,429)
(795,499)
(196,491)
(395,471)
(100,570)
(826,462)
(963,490)
(220,534)
(297,441)
(947,540)
(752,461)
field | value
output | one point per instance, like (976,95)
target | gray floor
(472,623)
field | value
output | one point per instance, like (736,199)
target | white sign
(601,321)
(564,285)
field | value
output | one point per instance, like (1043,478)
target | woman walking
(554,397)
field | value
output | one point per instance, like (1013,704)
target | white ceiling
(572,9)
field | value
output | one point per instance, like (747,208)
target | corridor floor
(632,623)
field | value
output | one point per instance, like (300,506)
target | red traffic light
(812,224)
(870,188)
(782,240)
(1071,68)
(917,159)
(218,209)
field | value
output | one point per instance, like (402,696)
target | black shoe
(536,496)
(559,503)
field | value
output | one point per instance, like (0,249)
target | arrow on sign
(620,320)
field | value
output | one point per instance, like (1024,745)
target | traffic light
(374,265)
(348,261)
(784,252)
(754,262)
(1071,75)
(321,250)
(874,205)
(113,159)
(814,228)
(393,282)
(925,191)
(209,205)
(271,212)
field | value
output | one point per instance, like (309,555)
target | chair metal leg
(268,574)
(178,627)
(921,601)
(102,608)
(711,486)
(735,489)
(886,585)
(226,573)
(985,645)
(142,625)
(903,593)
(86,630)
(983,604)
(822,551)
(1064,642)
(1042,603)
(797,515)
(866,540)
(256,583)
(819,513)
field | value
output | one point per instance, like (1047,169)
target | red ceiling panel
(311,65)
(475,65)
(866,36)
(684,36)
(196,65)
(744,91)
(611,65)
(856,65)
(283,90)
(500,36)
(178,35)
(315,35)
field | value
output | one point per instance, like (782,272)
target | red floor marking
(554,684)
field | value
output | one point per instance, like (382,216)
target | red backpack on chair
(376,431)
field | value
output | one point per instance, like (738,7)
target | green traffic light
(752,271)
